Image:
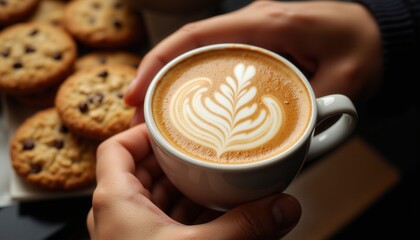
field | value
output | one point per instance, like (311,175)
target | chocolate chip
(117,24)
(96,98)
(103,74)
(118,5)
(28,144)
(96,5)
(57,56)
(58,143)
(36,168)
(34,32)
(5,52)
(102,59)
(83,107)
(29,49)
(17,65)
(63,129)
(91,20)
(120,95)
(3,2)
(55,22)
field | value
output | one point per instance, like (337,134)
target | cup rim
(163,143)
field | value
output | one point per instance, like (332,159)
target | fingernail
(133,82)
(131,86)
(286,212)
(129,97)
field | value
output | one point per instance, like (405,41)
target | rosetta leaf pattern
(230,120)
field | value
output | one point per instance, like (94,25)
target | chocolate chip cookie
(12,11)
(46,154)
(90,102)
(34,56)
(49,12)
(96,58)
(102,24)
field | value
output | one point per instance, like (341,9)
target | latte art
(231,106)
(225,122)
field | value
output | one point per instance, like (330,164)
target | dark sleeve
(398,21)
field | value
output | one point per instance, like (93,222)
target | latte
(231,106)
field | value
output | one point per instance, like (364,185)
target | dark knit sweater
(399,23)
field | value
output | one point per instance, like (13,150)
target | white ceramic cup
(223,186)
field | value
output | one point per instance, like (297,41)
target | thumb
(269,218)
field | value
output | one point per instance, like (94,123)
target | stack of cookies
(72,61)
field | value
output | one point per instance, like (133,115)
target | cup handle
(329,106)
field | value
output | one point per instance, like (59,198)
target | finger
(186,211)
(152,166)
(116,157)
(136,141)
(336,77)
(148,170)
(207,215)
(269,218)
(144,177)
(164,194)
(193,35)
(90,223)
(138,116)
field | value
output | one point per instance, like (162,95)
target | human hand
(337,44)
(133,199)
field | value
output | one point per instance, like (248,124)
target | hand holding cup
(231,123)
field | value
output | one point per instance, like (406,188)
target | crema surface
(231,106)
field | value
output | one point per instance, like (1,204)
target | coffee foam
(229,121)
(236,109)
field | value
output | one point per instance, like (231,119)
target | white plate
(21,191)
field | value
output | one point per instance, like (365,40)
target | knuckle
(103,146)
(261,4)
(281,16)
(190,32)
(190,28)
(348,79)
(272,9)
(100,199)
(348,72)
